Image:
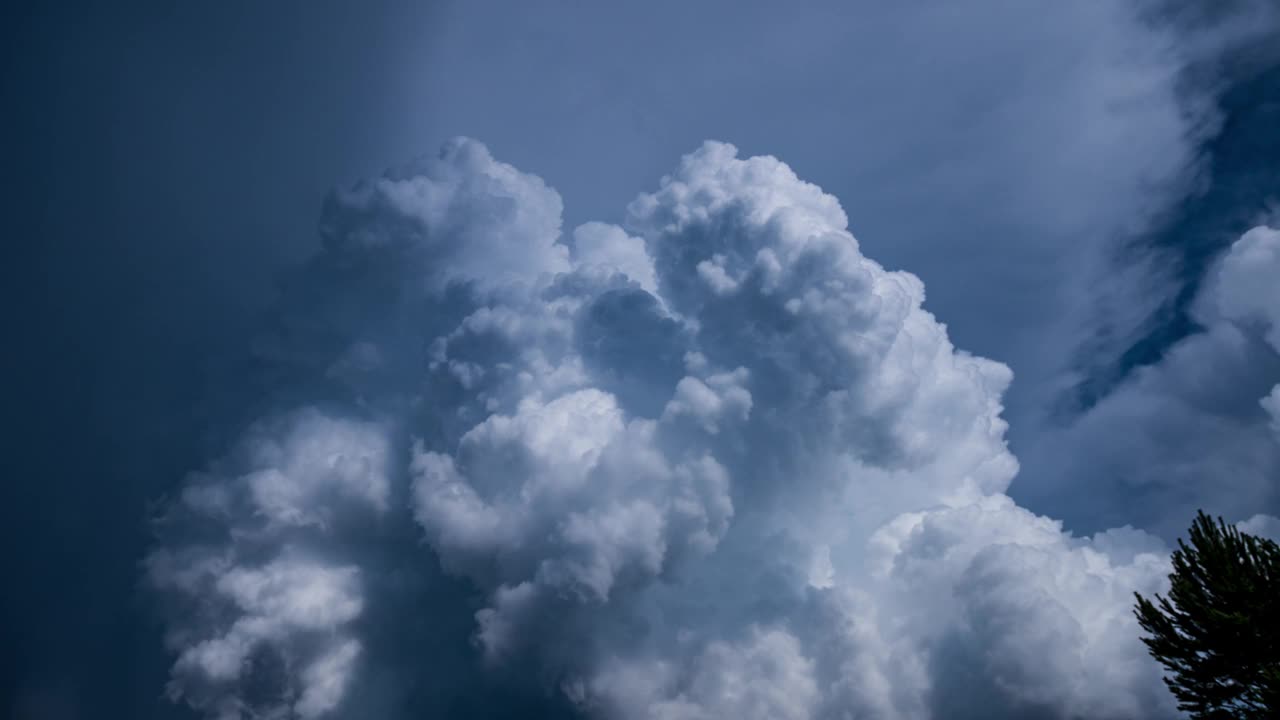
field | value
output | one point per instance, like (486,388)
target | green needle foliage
(1218,632)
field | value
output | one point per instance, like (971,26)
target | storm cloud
(715,462)
(690,453)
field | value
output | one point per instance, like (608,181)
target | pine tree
(1218,631)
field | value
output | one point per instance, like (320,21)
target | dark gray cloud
(1195,429)
(1165,412)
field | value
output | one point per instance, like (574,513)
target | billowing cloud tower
(715,463)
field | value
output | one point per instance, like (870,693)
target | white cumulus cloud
(713,463)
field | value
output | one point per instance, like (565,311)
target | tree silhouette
(1218,631)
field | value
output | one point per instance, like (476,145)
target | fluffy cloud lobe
(715,463)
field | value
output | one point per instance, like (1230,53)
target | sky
(623,360)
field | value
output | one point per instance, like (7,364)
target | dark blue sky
(166,161)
